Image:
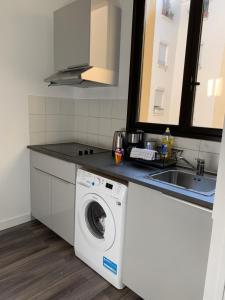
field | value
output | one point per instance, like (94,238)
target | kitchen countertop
(130,171)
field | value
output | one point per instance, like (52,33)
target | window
(209,105)
(158,101)
(178,67)
(163,55)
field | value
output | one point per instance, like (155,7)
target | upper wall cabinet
(87,43)
(72,35)
(178,66)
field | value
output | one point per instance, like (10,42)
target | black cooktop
(72,149)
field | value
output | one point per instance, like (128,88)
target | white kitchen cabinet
(72,24)
(53,194)
(166,246)
(41,196)
(96,25)
(63,197)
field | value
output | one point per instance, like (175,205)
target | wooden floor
(37,264)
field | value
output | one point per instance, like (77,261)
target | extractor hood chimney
(86,44)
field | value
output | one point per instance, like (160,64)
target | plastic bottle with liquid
(167,144)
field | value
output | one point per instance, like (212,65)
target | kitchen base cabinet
(41,196)
(53,194)
(63,197)
(166,246)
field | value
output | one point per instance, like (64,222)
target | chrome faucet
(200,170)
(187,162)
(200,167)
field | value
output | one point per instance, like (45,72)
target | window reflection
(209,107)
(166,25)
(165,35)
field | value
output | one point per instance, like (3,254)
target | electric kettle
(119,141)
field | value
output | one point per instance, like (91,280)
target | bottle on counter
(167,144)
(119,153)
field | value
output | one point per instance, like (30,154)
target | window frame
(185,128)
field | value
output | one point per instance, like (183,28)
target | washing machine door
(97,222)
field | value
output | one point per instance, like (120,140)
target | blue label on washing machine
(110,265)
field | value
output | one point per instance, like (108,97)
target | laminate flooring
(37,264)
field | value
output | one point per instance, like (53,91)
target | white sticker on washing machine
(110,265)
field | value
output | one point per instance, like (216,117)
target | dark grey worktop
(103,162)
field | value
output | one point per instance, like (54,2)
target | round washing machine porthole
(97,222)
(95,219)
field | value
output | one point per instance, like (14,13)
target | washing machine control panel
(99,183)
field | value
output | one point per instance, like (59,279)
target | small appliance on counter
(134,140)
(119,141)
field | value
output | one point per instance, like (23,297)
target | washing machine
(100,212)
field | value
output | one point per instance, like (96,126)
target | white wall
(25,59)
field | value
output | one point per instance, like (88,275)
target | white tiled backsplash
(94,121)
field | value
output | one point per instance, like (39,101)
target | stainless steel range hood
(86,44)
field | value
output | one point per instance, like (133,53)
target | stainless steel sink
(199,184)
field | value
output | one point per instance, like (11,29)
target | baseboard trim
(5,224)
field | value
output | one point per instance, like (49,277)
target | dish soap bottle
(167,144)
